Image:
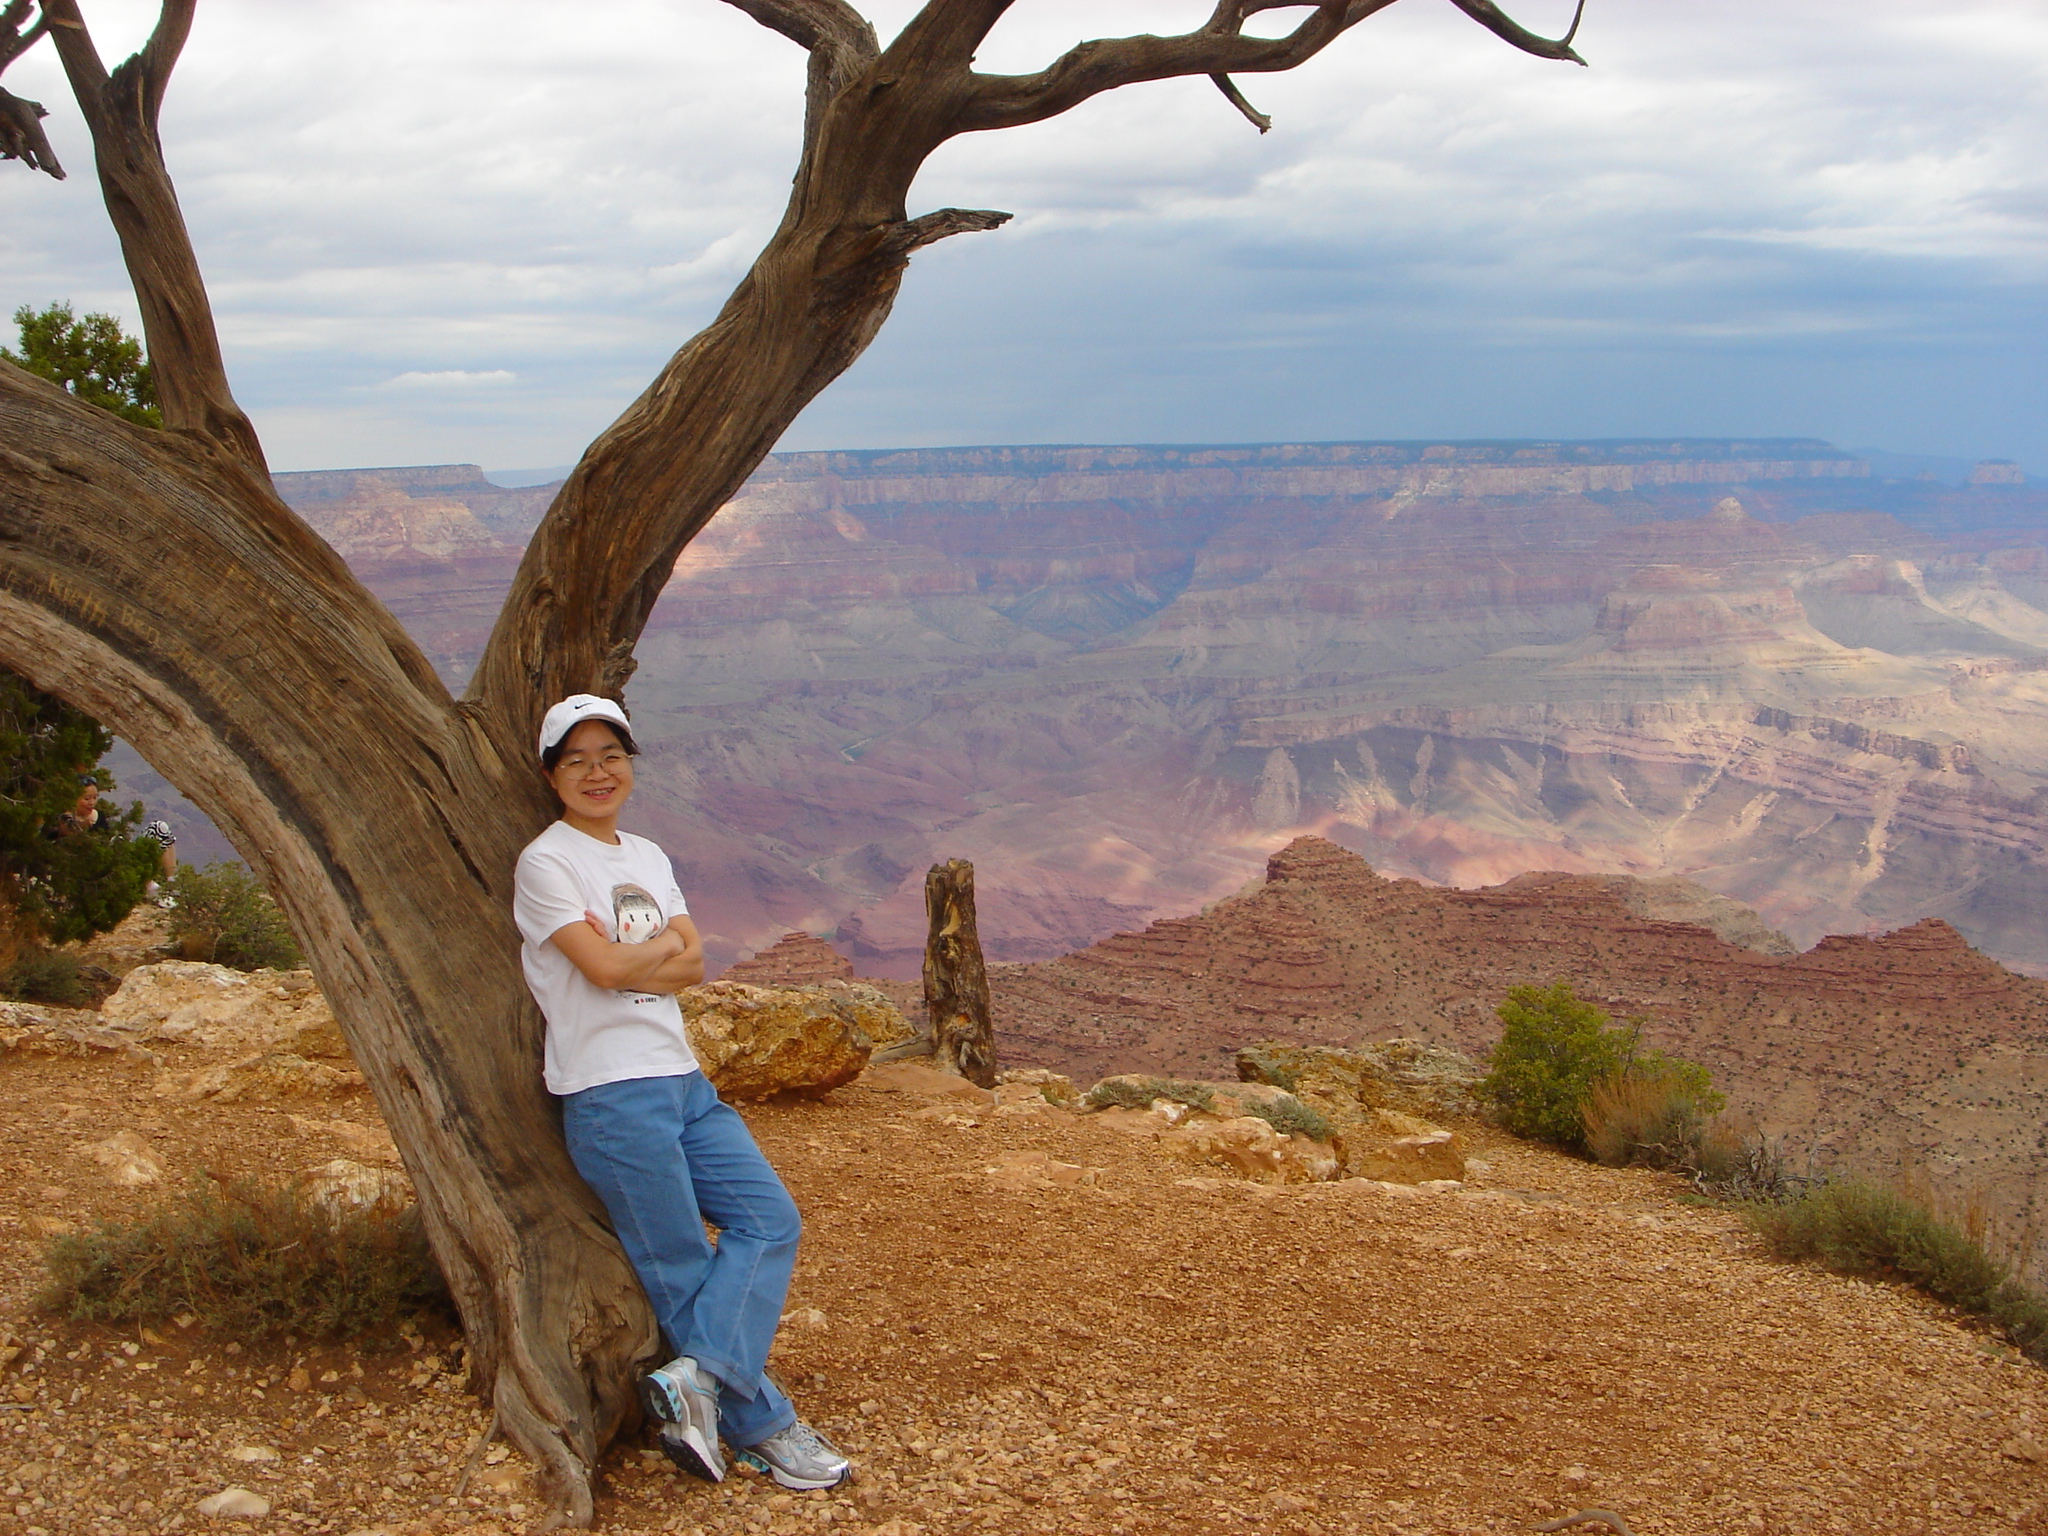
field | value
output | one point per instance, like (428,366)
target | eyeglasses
(583,767)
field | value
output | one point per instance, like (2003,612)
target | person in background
(607,943)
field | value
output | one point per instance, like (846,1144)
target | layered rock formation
(1118,678)
(1910,1049)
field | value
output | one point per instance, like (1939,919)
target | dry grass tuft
(250,1259)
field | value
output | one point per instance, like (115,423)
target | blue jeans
(666,1155)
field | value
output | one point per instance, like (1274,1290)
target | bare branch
(177,317)
(21,134)
(1235,97)
(1491,17)
(827,26)
(899,240)
(1219,48)
(13,41)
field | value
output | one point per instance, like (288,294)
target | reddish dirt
(1138,1353)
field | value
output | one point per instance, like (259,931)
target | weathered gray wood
(956,1009)
(155,580)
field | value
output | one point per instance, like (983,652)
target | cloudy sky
(469,230)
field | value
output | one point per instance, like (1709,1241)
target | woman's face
(88,801)
(594,775)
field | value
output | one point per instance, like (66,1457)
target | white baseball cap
(574,710)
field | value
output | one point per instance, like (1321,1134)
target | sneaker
(799,1457)
(684,1396)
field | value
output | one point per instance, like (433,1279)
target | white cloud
(449,378)
(1745,216)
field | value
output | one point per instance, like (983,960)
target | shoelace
(800,1437)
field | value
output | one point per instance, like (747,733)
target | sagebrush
(222,913)
(1138,1093)
(1291,1117)
(250,1259)
(1858,1227)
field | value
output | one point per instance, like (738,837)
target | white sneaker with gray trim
(799,1457)
(684,1396)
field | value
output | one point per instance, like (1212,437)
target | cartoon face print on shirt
(636,916)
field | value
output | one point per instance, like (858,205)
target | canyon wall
(1119,677)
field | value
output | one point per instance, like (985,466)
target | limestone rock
(1420,1159)
(1399,1074)
(341,1185)
(1022,1084)
(234,1504)
(1253,1149)
(272,1075)
(754,1042)
(213,1005)
(362,1142)
(1034,1168)
(127,1158)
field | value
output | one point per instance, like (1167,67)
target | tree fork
(301,718)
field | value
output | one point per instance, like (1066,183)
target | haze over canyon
(1118,678)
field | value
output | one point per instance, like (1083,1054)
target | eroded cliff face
(1118,678)
(1909,1049)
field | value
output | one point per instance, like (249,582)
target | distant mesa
(1997,472)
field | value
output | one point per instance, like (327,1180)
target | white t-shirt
(596,1035)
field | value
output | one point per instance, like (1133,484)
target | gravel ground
(1023,1320)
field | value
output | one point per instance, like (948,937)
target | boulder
(756,1042)
(1415,1159)
(343,1185)
(198,1003)
(234,1504)
(1022,1084)
(272,1075)
(1252,1149)
(1407,1075)
(366,1143)
(127,1158)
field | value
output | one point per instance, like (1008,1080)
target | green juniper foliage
(91,357)
(62,888)
(1554,1047)
(222,913)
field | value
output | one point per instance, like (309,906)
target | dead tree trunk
(955,980)
(155,580)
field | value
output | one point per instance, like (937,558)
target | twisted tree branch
(1235,97)
(121,111)
(21,135)
(1496,21)
(899,240)
(827,26)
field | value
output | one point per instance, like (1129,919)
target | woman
(608,942)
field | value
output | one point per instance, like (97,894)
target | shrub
(1291,1117)
(1138,1093)
(252,1260)
(1857,1227)
(1553,1047)
(221,913)
(1659,1113)
(47,976)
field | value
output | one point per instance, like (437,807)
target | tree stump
(955,980)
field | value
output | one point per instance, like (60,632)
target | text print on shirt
(636,918)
